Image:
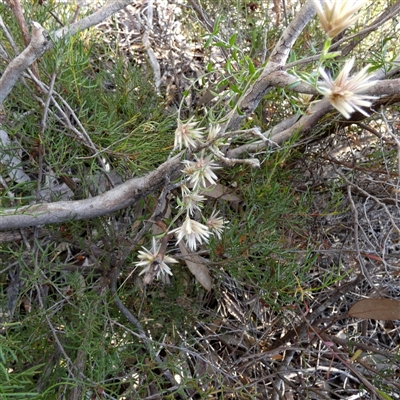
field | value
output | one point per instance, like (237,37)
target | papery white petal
(345,93)
(337,15)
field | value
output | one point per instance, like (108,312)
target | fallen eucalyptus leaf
(219,191)
(380,309)
(199,270)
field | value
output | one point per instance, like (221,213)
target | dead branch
(279,55)
(16,8)
(116,199)
(17,66)
(388,14)
(305,123)
(41,42)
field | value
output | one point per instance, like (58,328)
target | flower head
(200,171)
(152,259)
(343,92)
(192,231)
(304,99)
(213,133)
(187,135)
(337,15)
(216,224)
(191,200)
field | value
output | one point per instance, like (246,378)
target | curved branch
(283,80)
(259,145)
(284,130)
(116,199)
(41,42)
(20,63)
(279,55)
(98,16)
(278,136)
(285,43)
(305,123)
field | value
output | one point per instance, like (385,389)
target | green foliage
(258,243)
(64,301)
(17,374)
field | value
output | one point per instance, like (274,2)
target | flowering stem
(325,51)
(163,245)
(325,55)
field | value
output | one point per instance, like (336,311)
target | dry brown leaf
(199,270)
(219,191)
(381,309)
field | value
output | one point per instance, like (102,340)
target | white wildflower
(304,99)
(151,258)
(212,134)
(187,135)
(337,15)
(191,200)
(201,171)
(193,232)
(216,224)
(344,92)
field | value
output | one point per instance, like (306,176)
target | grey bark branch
(284,130)
(41,42)
(17,66)
(98,16)
(303,124)
(116,199)
(279,55)
(283,79)
(282,49)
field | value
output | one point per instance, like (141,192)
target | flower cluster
(199,174)
(193,232)
(191,201)
(201,171)
(345,93)
(216,224)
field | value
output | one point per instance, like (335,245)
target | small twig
(369,129)
(335,352)
(368,195)
(146,43)
(82,135)
(363,268)
(136,323)
(202,16)
(282,368)
(253,162)
(232,134)
(41,134)
(16,8)
(9,36)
